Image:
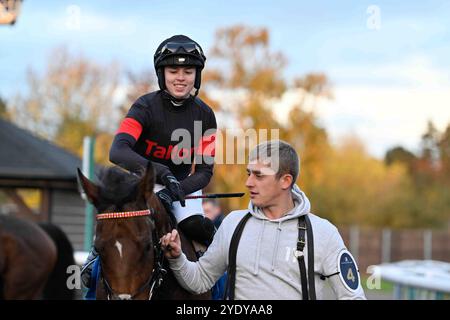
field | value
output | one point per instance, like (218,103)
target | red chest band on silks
(127,214)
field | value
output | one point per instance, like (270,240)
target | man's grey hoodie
(266,268)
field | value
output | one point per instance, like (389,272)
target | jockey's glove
(166,199)
(173,190)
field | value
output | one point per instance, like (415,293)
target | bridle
(158,271)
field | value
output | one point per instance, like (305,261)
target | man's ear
(90,189)
(286,181)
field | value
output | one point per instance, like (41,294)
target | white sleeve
(347,283)
(198,277)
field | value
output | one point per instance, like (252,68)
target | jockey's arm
(123,155)
(199,179)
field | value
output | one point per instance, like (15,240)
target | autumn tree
(137,84)
(360,189)
(429,196)
(249,77)
(432,181)
(305,134)
(444,152)
(73,98)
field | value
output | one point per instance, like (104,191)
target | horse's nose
(124,296)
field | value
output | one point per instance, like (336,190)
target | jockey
(175,130)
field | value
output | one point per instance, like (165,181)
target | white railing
(417,279)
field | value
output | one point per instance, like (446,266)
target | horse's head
(129,224)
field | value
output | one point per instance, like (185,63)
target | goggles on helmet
(175,47)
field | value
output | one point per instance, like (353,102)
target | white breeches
(193,206)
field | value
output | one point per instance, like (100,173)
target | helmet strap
(161,78)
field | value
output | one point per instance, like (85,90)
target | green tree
(401,155)
(430,142)
(360,189)
(3,110)
(444,152)
(429,196)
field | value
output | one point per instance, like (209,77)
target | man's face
(211,211)
(264,187)
(179,81)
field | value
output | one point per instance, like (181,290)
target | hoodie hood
(302,206)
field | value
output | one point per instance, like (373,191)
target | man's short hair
(279,155)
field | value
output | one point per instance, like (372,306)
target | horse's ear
(148,181)
(89,188)
(160,215)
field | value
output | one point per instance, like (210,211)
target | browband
(126,214)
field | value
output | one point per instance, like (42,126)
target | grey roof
(23,155)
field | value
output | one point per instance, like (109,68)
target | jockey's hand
(174,188)
(166,199)
(171,244)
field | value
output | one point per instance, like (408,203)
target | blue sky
(384,68)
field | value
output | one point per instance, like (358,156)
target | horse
(130,222)
(33,261)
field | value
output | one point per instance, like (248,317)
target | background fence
(372,246)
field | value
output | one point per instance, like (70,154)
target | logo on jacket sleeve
(348,270)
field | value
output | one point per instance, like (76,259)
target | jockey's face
(265,188)
(179,81)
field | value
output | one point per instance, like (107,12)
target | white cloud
(382,115)
(385,116)
(416,70)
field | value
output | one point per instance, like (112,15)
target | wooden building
(29,162)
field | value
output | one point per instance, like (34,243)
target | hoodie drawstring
(277,242)
(258,249)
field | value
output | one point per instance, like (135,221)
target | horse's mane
(118,185)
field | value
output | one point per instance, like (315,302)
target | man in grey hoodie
(266,260)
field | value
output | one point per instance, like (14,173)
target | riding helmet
(179,50)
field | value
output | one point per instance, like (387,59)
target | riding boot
(86,270)
(198,228)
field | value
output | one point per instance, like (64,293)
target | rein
(158,272)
